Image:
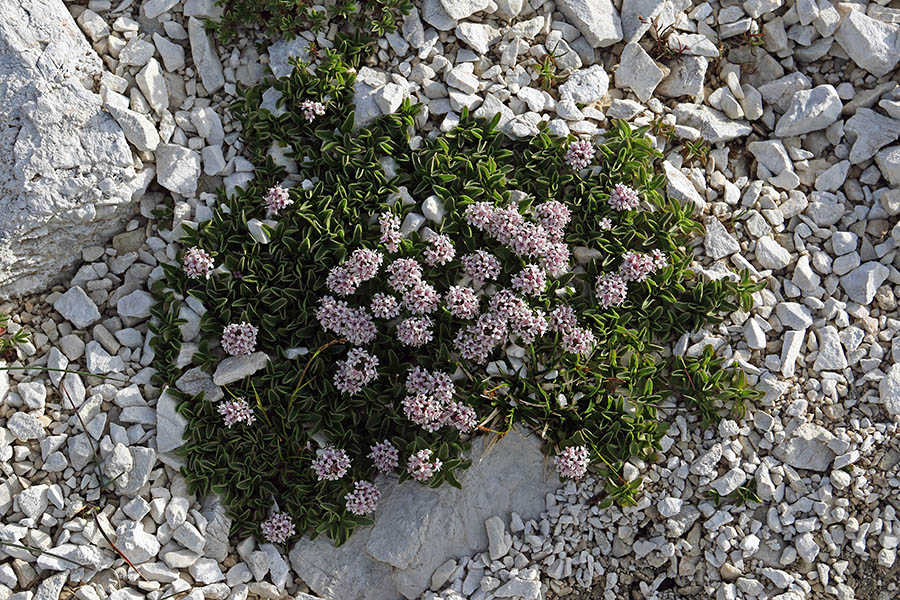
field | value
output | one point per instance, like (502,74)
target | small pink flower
(505,223)
(531,280)
(580,154)
(481,266)
(358,370)
(415,331)
(562,319)
(278,528)
(578,341)
(611,290)
(556,259)
(277,198)
(659,259)
(363,264)
(529,326)
(384,306)
(462,417)
(354,324)
(331,463)
(390,231)
(440,250)
(531,239)
(197,263)
(341,282)
(421,467)
(637,266)
(312,109)
(404,273)
(604,224)
(385,456)
(461,302)
(624,198)
(421,299)
(236,411)
(572,462)
(478,215)
(553,215)
(239,338)
(363,499)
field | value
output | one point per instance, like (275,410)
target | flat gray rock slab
(417,529)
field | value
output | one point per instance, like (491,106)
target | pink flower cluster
(236,411)
(390,231)
(277,198)
(362,265)
(239,338)
(624,198)
(385,456)
(355,324)
(481,266)
(531,280)
(421,299)
(358,370)
(575,339)
(461,302)
(331,463)
(415,331)
(278,528)
(429,402)
(197,263)
(580,154)
(312,109)
(611,289)
(553,215)
(573,462)
(404,273)
(363,499)
(637,266)
(508,313)
(384,306)
(421,466)
(440,250)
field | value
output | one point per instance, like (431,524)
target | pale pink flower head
(461,302)
(659,259)
(580,154)
(611,290)
(440,250)
(604,224)
(332,314)
(363,264)
(384,306)
(421,299)
(562,319)
(390,231)
(531,239)
(359,328)
(504,223)
(312,109)
(277,198)
(478,215)
(481,266)
(421,466)
(197,263)
(415,331)
(553,215)
(531,280)
(236,411)
(278,528)
(330,463)
(637,266)
(462,417)
(363,499)
(624,198)
(385,456)
(404,273)
(341,282)
(239,338)
(578,341)
(556,259)
(572,462)
(358,370)
(529,325)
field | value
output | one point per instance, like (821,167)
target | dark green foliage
(607,403)
(287,18)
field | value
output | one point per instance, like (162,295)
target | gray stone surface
(597,20)
(805,446)
(418,528)
(889,390)
(67,179)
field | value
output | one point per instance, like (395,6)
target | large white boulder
(67,178)
(418,528)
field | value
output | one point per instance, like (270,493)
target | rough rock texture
(389,559)
(66,174)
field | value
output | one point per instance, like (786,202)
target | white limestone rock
(862,282)
(235,368)
(206,59)
(597,20)
(888,161)
(805,446)
(138,129)
(869,132)
(872,44)
(714,125)
(178,169)
(77,307)
(810,110)
(889,390)
(67,178)
(585,86)
(719,243)
(638,72)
